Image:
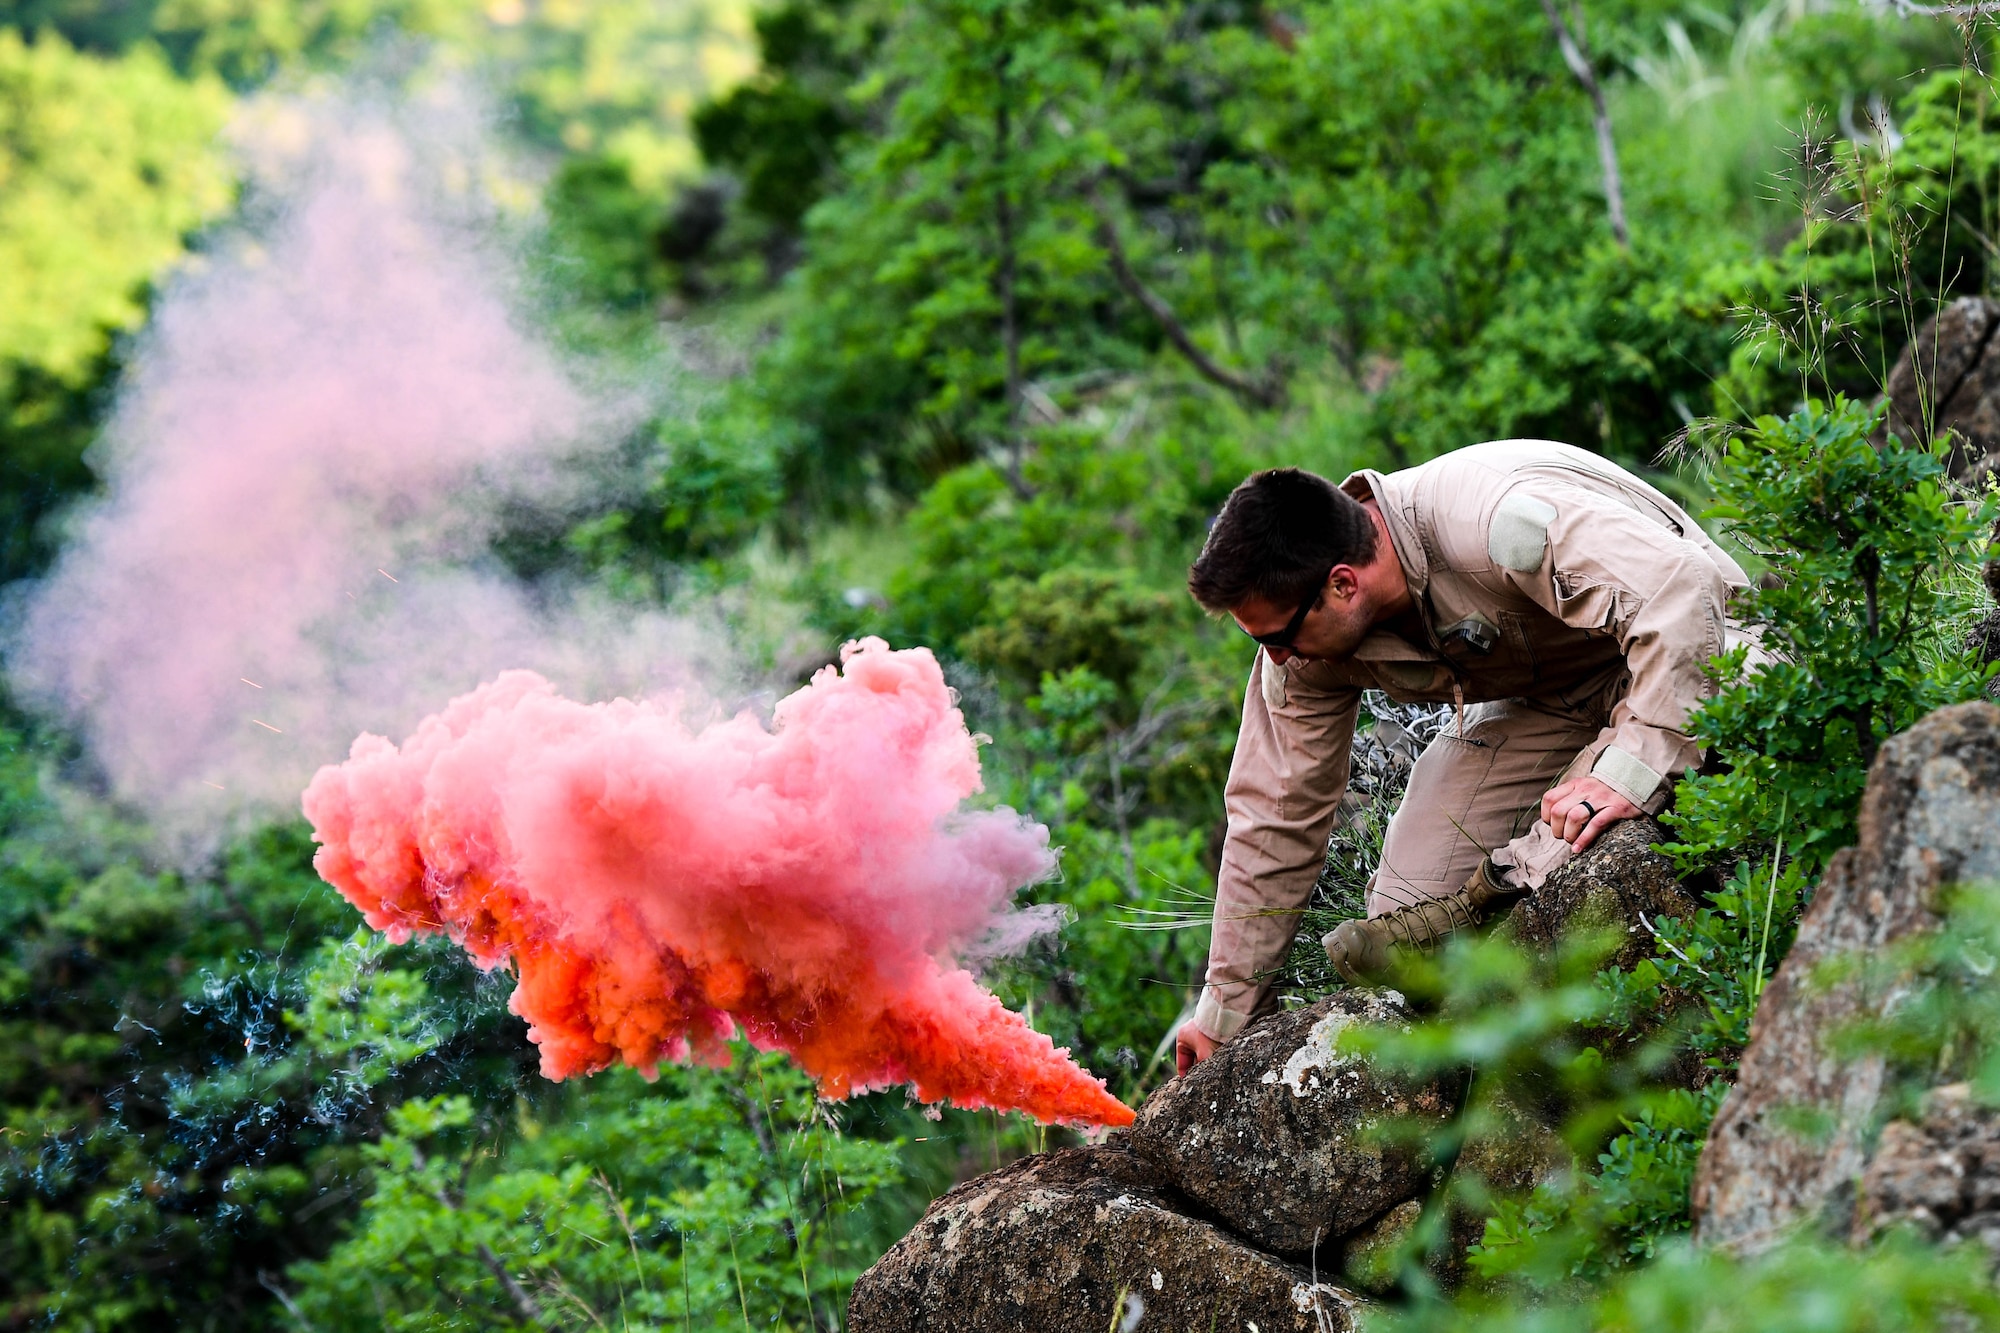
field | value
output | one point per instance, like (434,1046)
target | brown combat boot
(1360,950)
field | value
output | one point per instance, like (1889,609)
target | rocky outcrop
(1939,1173)
(1615,890)
(1368,1258)
(1260,1191)
(1281,1136)
(1949,377)
(1930,819)
(1081,1241)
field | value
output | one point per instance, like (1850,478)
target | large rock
(1616,888)
(1618,891)
(1931,818)
(1081,1241)
(1279,1135)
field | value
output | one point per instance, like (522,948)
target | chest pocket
(1492,646)
(1519,642)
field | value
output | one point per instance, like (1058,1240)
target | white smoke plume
(317,437)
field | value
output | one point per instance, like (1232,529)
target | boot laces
(1424,925)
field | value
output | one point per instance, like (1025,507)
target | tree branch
(526,1307)
(1004,277)
(527,1310)
(1258,393)
(1909,9)
(1607,149)
(271,1284)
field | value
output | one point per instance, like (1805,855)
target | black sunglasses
(1282,639)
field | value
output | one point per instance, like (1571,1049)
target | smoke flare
(656,887)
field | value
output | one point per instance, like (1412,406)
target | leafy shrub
(711,1197)
(1071,616)
(1563,1257)
(1613,354)
(1862,544)
(1803,1287)
(189,1063)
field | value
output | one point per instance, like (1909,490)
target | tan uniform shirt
(1540,571)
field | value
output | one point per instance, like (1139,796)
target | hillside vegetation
(974,311)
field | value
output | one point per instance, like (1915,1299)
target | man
(1563,606)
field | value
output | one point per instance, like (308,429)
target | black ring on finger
(1593,812)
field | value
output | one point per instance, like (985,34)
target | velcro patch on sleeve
(1220,1024)
(1626,774)
(1519,537)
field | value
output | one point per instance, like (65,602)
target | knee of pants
(1468,795)
(1437,834)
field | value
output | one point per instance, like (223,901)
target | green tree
(780,132)
(106,167)
(188,1063)
(954,267)
(1328,203)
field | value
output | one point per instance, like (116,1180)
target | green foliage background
(982,306)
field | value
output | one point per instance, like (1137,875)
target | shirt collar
(1398,511)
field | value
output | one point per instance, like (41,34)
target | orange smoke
(655,887)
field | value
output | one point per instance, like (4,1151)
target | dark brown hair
(1277,536)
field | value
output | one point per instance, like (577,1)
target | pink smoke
(307,464)
(656,887)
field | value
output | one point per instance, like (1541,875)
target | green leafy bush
(1568,1255)
(711,1197)
(1866,546)
(187,1062)
(1070,617)
(1803,1287)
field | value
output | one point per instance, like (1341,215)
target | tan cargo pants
(1471,792)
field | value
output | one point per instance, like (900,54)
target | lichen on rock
(1283,1138)
(1930,819)
(1078,1241)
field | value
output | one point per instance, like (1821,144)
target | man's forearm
(1285,782)
(1260,897)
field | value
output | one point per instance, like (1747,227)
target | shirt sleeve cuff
(1217,1023)
(1626,775)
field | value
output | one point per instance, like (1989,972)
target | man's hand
(1191,1047)
(1581,810)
